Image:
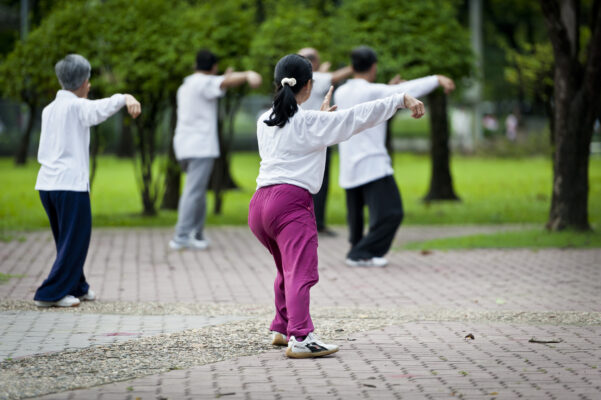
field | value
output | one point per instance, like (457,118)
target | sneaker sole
(291,354)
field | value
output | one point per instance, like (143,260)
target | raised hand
(416,106)
(133,106)
(446,83)
(325,106)
(254,79)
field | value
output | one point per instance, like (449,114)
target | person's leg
(204,170)
(192,198)
(321,197)
(296,236)
(385,215)
(74,231)
(51,213)
(257,226)
(354,214)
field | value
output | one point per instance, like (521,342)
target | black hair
(362,58)
(205,60)
(284,102)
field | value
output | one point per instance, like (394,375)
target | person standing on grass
(366,172)
(196,142)
(322,80)
(292,146)
(63,179)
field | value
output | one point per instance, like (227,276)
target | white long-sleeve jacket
(64,151)
(296,153)
(364,158)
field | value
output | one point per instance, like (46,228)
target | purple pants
(282,218)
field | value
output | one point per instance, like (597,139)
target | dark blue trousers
(70,218)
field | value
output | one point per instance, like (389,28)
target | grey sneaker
(189,243)
(67,301)
(310,347)
(377,262)
(278,339)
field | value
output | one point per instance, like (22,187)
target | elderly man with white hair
(63,179)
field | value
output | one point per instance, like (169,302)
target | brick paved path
(416,359)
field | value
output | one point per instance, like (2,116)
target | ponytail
(291,74)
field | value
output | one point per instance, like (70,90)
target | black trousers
(321,197)
(383,201)
(70,219)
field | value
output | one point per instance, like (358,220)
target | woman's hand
(446,83)
(416,106)
(325,106)
(133,106)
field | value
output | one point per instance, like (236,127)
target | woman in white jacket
(292,145)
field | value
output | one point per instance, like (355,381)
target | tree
(577,84)
(143,50)
(414,39)
(27,73)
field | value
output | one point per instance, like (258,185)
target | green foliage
(287,32)
(532,69)
(27,73)
(411,38)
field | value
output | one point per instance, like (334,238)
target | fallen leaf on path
(535,340)
(425,252)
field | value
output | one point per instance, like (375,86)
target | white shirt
(196,129)
(296,153)
(64,151)
(321,84)
(364,158)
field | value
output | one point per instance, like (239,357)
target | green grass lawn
(492,190)
(531,238)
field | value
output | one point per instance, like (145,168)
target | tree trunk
(146,126)
(126,147)
(576,101)
(173,171)
(21,155)
(441,183)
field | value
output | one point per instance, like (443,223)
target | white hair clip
(290,81)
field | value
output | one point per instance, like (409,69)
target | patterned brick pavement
(421,359)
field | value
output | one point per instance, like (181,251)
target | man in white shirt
(63,179)
(322,80)
(196,142)
(365,167)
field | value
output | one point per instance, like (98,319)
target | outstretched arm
(328,128)
(421,86)
(233,79)
(341,74)
(93,112)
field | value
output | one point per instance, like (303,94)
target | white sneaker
(377,262)
(310,347)
(67,301)
(278,339)
(189,243)
(90,296)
